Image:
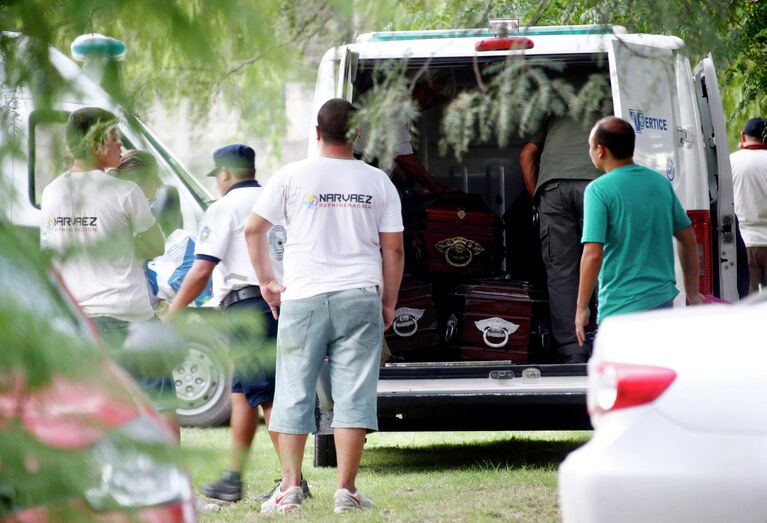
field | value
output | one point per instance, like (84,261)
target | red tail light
(504,44)
(701,224)
(618,386)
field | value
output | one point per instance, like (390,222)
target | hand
(271,293)
(388,316)
(581,320)
(698,299)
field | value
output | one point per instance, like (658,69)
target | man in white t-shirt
(100,226)
(221,251)
(343,267)
(432,88)
(749,183)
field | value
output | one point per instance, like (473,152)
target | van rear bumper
(464,404)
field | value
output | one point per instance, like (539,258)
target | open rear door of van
(652,89)
(349,64)
(719,175)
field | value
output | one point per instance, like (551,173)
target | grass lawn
(451,476)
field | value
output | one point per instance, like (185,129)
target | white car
(678,401)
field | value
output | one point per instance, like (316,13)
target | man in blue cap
(221,251)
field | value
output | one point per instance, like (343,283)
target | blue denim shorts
(347,327)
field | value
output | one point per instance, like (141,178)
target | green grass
(466,476)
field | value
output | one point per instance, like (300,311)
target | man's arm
(194,283)
(414,169)
(393,254)
(528,164)
(591,263)
(687,248)
(149,243)
(258,249)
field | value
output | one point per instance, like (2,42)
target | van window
(47,150)
(485,168)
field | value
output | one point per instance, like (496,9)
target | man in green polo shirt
(630,215)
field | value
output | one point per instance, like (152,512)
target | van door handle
(726,229)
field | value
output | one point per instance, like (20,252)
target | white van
(680,131)
(202,383)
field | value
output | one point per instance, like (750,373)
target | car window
(47,150)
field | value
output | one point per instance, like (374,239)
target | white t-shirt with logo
(91,219)
(222,240)
(333,211)
(749,184)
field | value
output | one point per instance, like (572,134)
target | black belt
(246,293)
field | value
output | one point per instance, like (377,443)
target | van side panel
(324,90)
(689,140)
(714,132)
(644,86)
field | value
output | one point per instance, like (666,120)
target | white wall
(194,143)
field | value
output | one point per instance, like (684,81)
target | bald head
(616,135)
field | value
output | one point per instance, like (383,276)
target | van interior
(492,173)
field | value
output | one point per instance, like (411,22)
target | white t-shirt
(401,145)
(749,183)
(92,219)
(222,240)
(333,211)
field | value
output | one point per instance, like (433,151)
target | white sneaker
(282,501)
(345,501)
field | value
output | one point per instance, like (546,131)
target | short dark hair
(86,127)
(616,135)
(333,120)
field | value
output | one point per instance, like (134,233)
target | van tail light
(701,225)
(616,386)
(504,44)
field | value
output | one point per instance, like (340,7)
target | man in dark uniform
(556,169)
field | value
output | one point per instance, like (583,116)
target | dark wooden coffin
(415,321)
(463,236)
(490,322)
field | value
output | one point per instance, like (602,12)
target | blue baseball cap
(235,155)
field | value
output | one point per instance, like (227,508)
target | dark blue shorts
(253,350)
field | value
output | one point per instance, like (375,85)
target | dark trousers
(560,209)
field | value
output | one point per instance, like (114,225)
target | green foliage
(386,106)
(518,96)
(245,51)
(735,33)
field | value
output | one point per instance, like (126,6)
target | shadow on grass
(512,453)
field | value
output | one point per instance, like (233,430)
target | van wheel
(324,451)
(203,382)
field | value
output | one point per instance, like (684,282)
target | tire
(324,444)
(203,385)
(324,451)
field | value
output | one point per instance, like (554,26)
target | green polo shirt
(634,213)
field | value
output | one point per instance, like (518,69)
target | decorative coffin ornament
(496,331)
(463,236)
(490,322)
(415,320)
